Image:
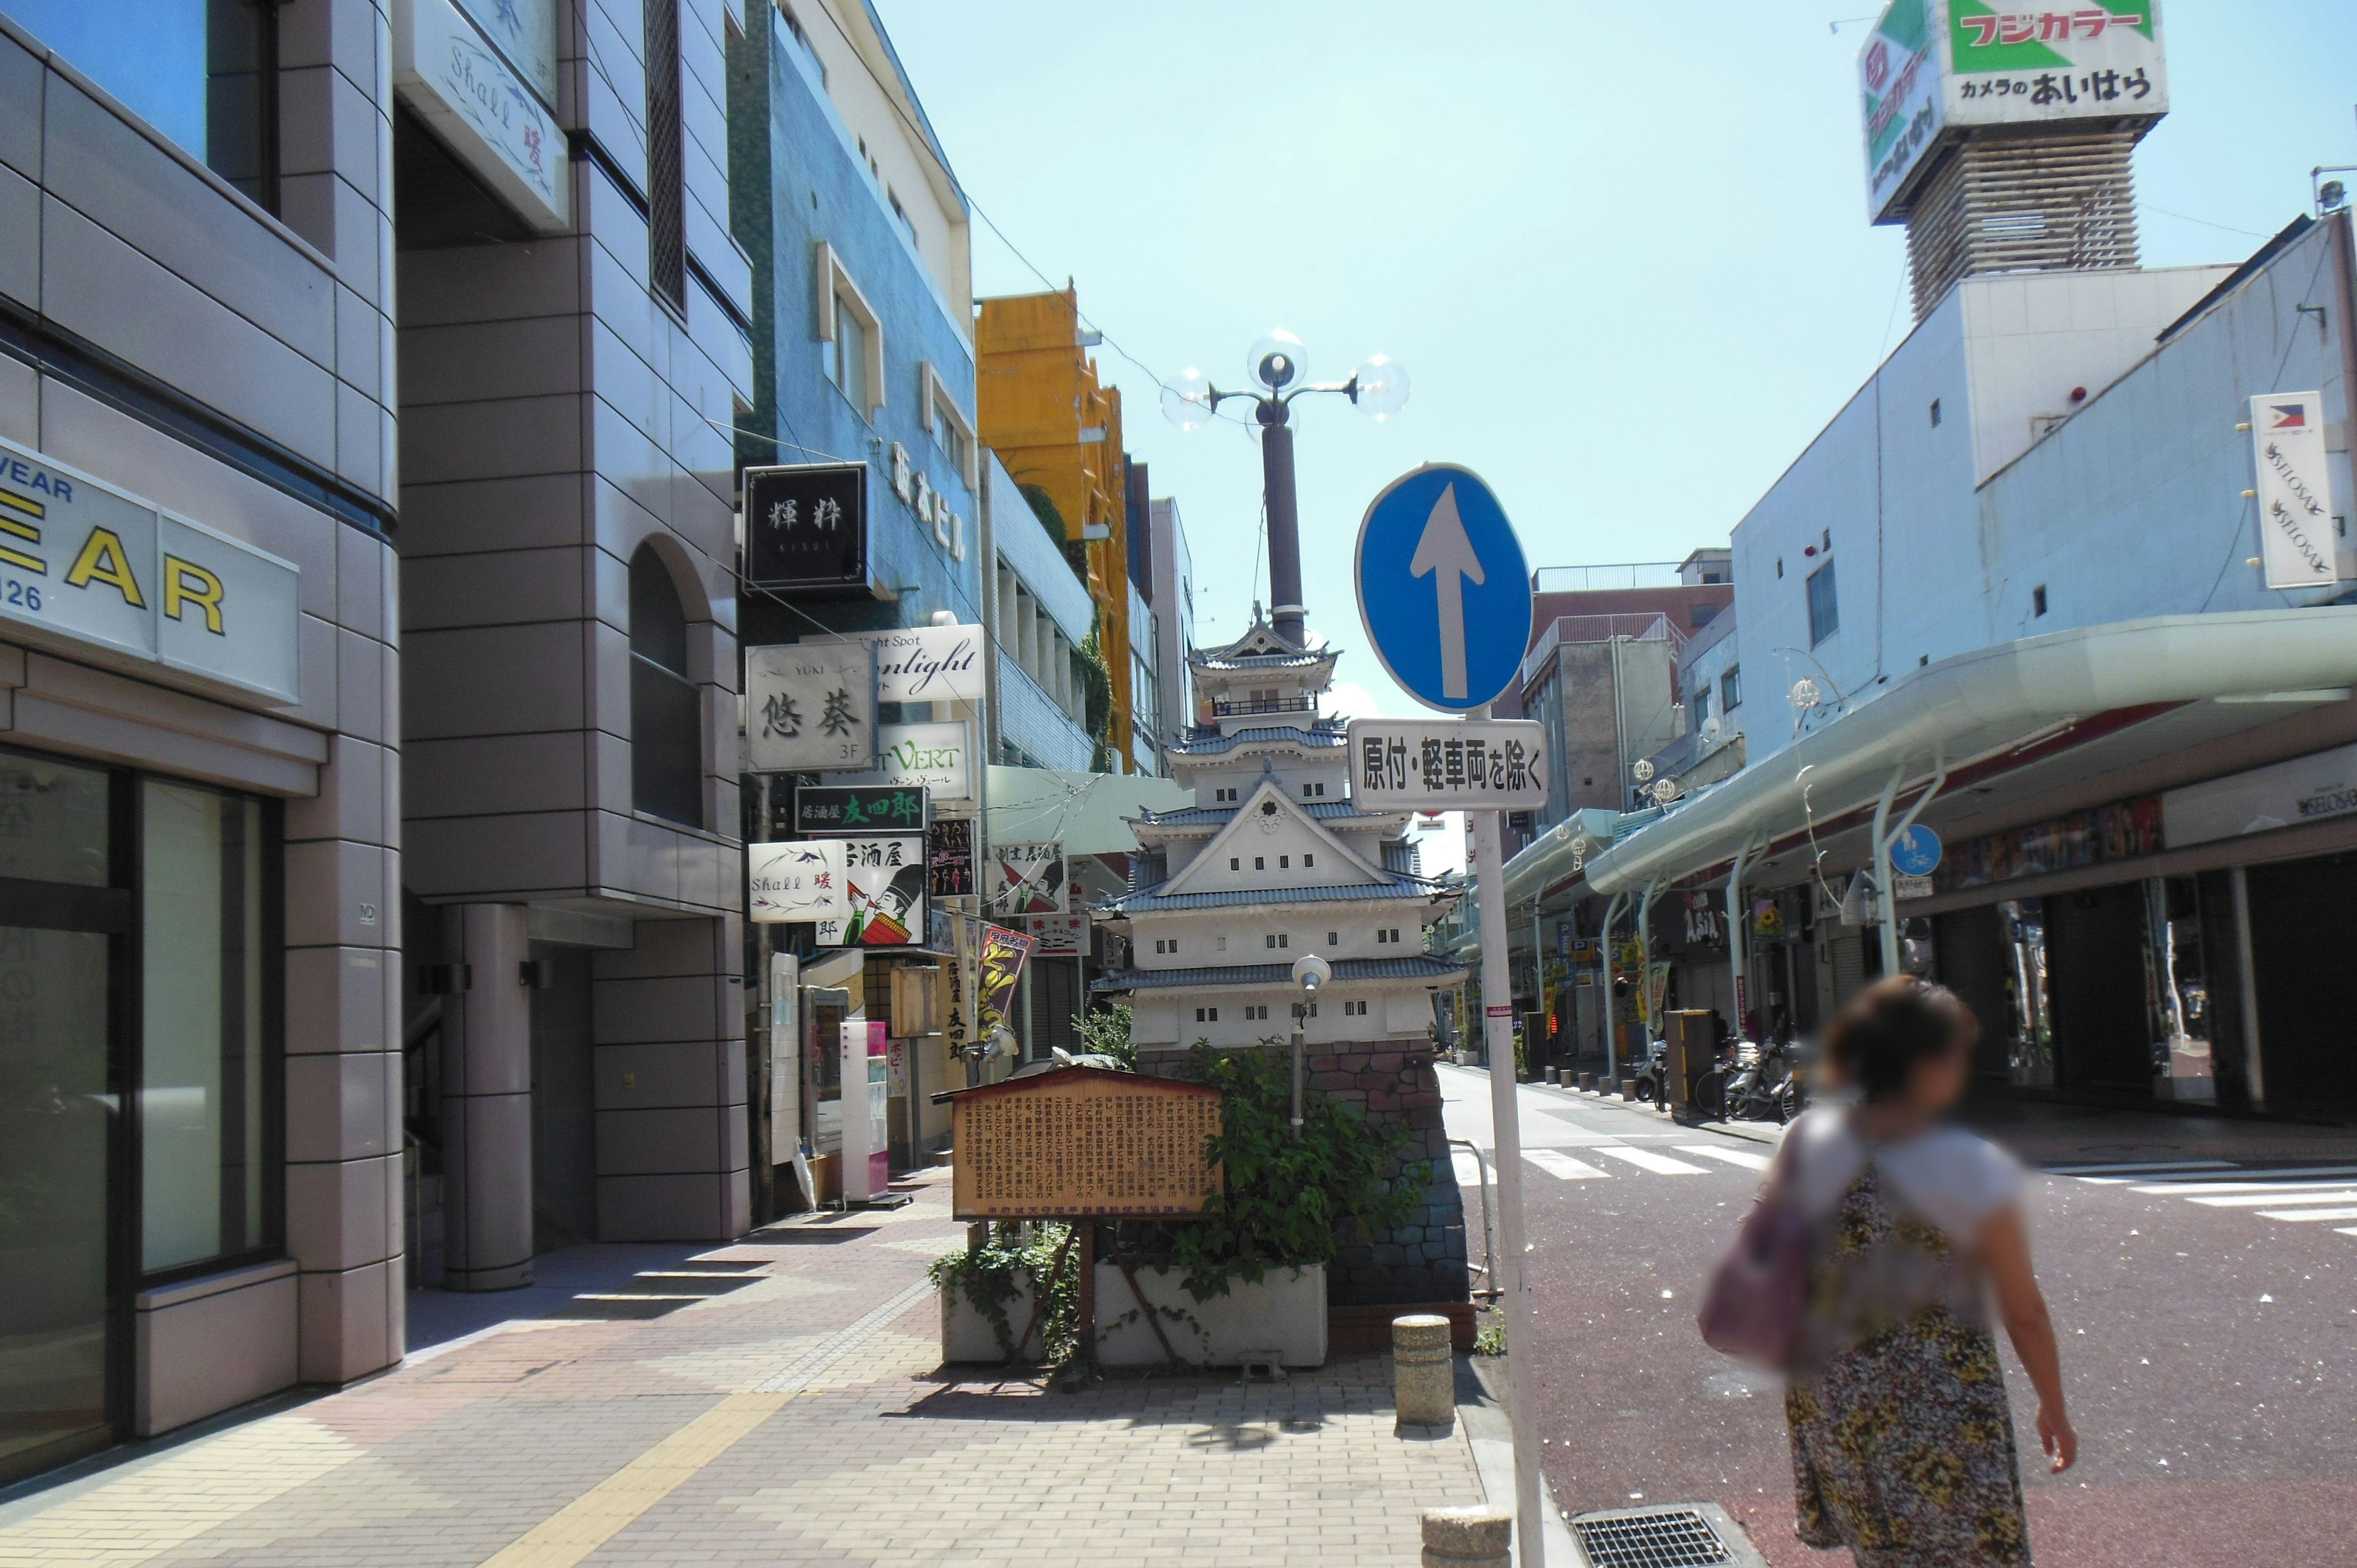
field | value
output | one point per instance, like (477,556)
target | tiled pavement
(786,1407)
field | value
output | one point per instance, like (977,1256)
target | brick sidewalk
(786,1406)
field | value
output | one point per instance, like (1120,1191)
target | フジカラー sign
(810,707)
(2298,545)
(86,560)
(806,526)
(1929,66)
(1083,1142)
(860,808)
(1442,765)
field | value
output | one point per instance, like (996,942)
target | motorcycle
(1764,1083)
(1653,1077)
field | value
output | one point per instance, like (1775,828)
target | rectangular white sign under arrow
(1449,765)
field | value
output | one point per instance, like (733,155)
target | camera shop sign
(84,561)
(1448,765)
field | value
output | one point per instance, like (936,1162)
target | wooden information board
(1083,1141)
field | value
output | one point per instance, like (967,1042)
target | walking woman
(1902,1441)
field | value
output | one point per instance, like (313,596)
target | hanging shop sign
(883,892)
(926,663)
(998,967)
(932,756)
(481,107)
(1027,879)
(2281,795)
(2298,546)
(1058,936)
(1448,764)
(1081,1142)
(1933,69)
(948,858)
(799,881)
(810,707)
(97,564)
(806,527)
(831,809)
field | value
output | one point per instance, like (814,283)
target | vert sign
(87,562)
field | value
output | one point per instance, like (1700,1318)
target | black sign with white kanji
(806,526)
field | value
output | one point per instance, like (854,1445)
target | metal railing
(1266,706)
(1488,1267)
(1592,579)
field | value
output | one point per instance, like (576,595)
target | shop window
(666,711)
(202,72)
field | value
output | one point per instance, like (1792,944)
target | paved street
(2202,1277)
(773,1402)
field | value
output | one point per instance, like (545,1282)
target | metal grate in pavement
(1662,1538)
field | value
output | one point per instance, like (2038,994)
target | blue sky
(1622,249)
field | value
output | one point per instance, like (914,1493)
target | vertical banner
(2297,545)
(1003,953)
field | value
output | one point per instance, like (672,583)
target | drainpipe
(1613,909)
(1735,943)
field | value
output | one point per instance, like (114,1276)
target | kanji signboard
(1083,1142)
(806,526)
(1437,764)
(1025,879)
(810,707)
(884,893)
(834,808)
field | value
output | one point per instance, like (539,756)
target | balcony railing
(1266,706)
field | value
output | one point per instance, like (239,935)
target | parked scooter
(1653,1077)
(1764,1083)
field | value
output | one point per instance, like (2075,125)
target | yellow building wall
(1035,392)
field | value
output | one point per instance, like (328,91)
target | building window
(851,337)
(952,432)
(1207,1015)
(1219,944)
(202,72)
(1935,413)
(1285,862)
(1700,616)
(1260,862)
(666,712)
(1824,606)
(2037,600)
(1333,938)
(666,178)
(1253,1014)
(1354,1009)
(1388,934)
(1234,863)
(1730,689)
(1223,795)
(1698,705)
(802,45)
(1313,791)
(1308,860)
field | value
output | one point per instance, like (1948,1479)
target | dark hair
(1891,1025)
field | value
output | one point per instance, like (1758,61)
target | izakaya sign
(1025,879)
(884,892)
(86,560)
(1932,65)
(2297,547)
(1446,765)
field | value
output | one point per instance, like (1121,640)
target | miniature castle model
(1273,863)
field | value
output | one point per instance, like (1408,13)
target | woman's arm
(2005,1253)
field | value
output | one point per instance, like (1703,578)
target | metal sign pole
(1521,1313)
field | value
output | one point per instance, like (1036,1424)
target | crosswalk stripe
(1732,1156)
(2142,1165)
(2260,1200)
(2346,1229)
(1562,1165)
(2308,1213)
(2202,1188)
(1646,1160)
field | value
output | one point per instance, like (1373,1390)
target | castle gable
(1273,843)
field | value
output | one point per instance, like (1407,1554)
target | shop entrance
(1976,963)
(2095,957)
(2301,916)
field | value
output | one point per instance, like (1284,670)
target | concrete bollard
(1469,1538)
(1423,1371)
(1587,1082)
(1628,1088)
(1555,1075)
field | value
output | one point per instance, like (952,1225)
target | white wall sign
(482,110)
(926,663)
(2297,545)
(82,559)
(524,31)
(2282,795)
(1025,879)
(938,756)
(798,881)
(810,707)
(1441,765)
(1058,936)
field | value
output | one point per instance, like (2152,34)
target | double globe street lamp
(1280,367)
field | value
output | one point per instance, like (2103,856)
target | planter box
(967,1336)
(1286,1312)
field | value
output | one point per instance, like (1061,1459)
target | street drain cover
(1650,1538)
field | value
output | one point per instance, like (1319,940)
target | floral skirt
(1902,1445)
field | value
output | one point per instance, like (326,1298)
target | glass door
(60,936)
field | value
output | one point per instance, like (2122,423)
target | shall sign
(84,560)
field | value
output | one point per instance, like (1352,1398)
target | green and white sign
(1934,66)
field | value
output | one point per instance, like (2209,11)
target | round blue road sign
(1916,851)
(1443,589)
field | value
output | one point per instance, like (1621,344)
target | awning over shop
(2130,690)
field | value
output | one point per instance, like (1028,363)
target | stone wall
(1393,1084)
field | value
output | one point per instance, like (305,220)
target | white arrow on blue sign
(1916,851)
(1443,589)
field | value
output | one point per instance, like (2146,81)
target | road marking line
(2260,1200)
(2196,1190)
(2308,1213)
(2347,1229)
(1562,1167)
(1744,1157)
(1646,1160)
(2143,1165)
(2203,1181)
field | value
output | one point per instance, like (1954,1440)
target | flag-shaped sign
(2298,546)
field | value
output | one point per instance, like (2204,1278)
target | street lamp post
(1279,365)
(1309,971)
